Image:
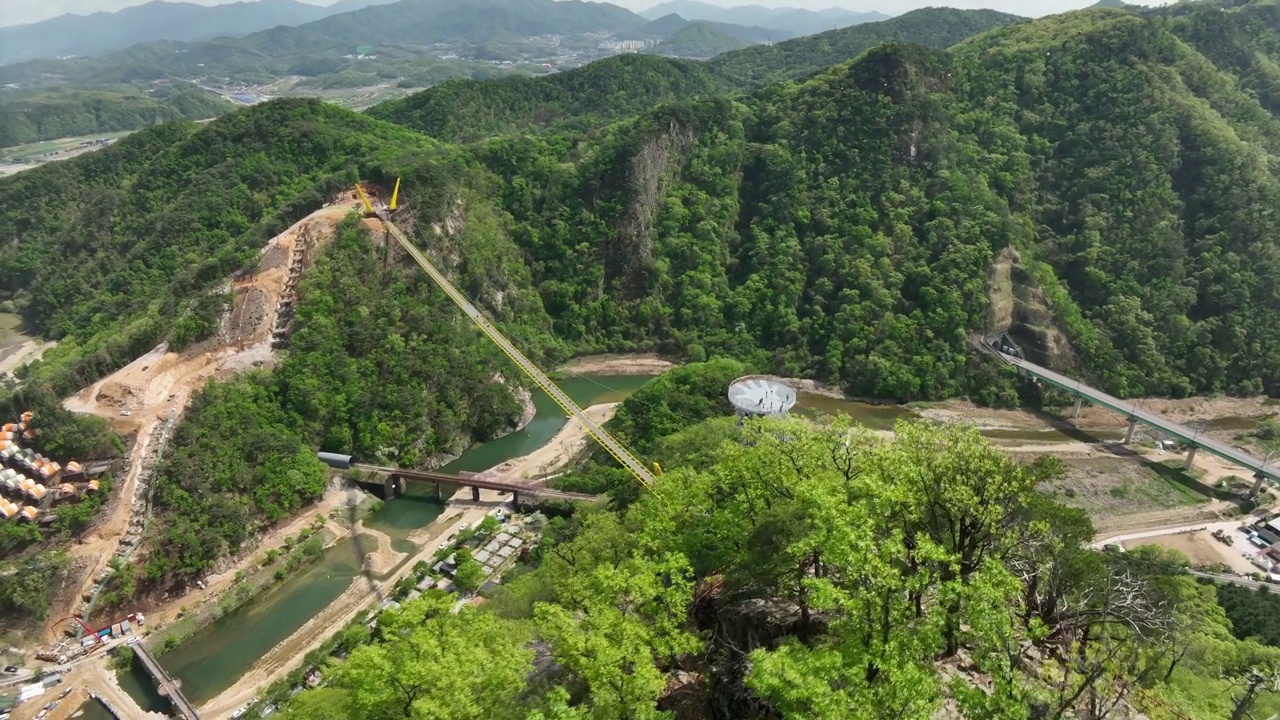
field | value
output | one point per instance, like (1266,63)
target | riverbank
(642,364)
(346,500)
(362,592)
(562,449)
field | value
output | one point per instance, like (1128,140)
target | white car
(462,527)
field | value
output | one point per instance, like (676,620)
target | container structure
(335,460)
(29,513)
(92,487)
(8,510)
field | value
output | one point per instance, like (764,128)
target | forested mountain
(846,227)
(621,87)
(45,115)
(930,27)
(699,40)
(796,21)
(103,32)
(1097,183)
(422,22)
(668,26)
(613,88)
(106,249)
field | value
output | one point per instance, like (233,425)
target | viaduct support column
(435,491)
(1191,457)
(1257,485)
(475,493)
(1079,402)
(515,500)
(389,488)
(1128,436)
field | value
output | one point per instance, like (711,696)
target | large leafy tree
(428,664)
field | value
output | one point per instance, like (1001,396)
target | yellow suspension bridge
(601,436)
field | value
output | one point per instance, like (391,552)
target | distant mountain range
(794,21)
(668,26)
(408,23)
(103,32)
(423,22)
(700,40)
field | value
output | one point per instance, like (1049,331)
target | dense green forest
(1090,182)
(699,40)
(381,366)
(613,88)
(27,117)
(1253,613)
(847,227)
(110,247)
(628,85)
(801,571)
(237,463)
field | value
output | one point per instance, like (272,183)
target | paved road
(612,446)
(1233,580)
(1129,409)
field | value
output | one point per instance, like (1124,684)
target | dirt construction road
(160,381)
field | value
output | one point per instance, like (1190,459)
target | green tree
(470,574)
(428,664)
(618,624)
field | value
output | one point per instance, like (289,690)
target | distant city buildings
(624,46)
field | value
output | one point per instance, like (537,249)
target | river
(212,659)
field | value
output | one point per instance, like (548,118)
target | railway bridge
(166,685)
(1263,469)
(393,482)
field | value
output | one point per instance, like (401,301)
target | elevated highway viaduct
(1263,468)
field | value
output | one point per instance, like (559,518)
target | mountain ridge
(797,21)
(102,32)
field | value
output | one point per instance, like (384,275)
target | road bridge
(477,482)
(1262,468)
(167,686)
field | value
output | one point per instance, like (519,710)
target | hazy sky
(15,12)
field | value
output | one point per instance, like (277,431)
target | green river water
(212,659)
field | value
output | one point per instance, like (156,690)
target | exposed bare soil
(160,381)
(557,454)
(647,364)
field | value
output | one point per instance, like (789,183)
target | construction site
(145,399)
